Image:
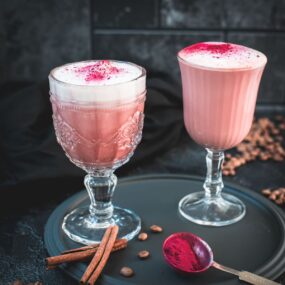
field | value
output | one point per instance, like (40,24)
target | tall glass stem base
(87,225)
(212,207)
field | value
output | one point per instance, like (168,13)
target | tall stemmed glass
(98,123)
(220,84)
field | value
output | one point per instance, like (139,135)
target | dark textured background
(38,35)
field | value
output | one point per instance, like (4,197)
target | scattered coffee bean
(156,229)
(282,126)
(279,117)
(279,202)
(144,254)
(276,195)
(143,236)
(266,192)
(278,157)
(272,196)
(127,271)
(226,172)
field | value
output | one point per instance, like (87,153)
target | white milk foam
(76,73)
(222,56)
(97,81)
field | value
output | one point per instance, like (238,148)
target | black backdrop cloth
(28,147)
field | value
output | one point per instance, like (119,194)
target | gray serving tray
(256,244)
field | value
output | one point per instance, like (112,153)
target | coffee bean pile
(276,195)
(264,142)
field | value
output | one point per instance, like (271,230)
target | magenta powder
(181,252)
(100,70)
(217,49)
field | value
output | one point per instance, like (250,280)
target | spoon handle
(245,276)
(255,279)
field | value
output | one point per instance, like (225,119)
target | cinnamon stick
(83,248)
(97,257)
(50,267)
(80,255)
(105,256)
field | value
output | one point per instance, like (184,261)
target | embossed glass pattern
(98,136)
(103,146)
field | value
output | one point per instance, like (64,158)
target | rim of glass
(222,69)
(51,74)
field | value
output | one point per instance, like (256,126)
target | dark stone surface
(42,34)
(125,13)
(2,49)
(155,51)
(227,14)
(244,14)
(272,89)
(280,15)
(22,220)
(22,250)
(192,14)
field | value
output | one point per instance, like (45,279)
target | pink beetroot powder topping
(220,55)
(213,48)
(100,70)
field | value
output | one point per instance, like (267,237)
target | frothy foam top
(220,55)
(98,81)
(97,72)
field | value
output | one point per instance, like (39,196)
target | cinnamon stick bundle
(100,259)
(99,252)
(110,243)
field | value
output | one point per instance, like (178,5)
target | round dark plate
(256,244)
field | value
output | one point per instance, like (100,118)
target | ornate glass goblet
(98,122)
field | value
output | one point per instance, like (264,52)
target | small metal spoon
(188,253)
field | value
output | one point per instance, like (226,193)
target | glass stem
(100,187)
(214,182)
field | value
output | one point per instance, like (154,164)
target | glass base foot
(221,211)
(81,228)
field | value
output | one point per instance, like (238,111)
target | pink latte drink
(98,111)
(220,84)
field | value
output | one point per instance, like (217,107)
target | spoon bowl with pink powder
(187,253)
